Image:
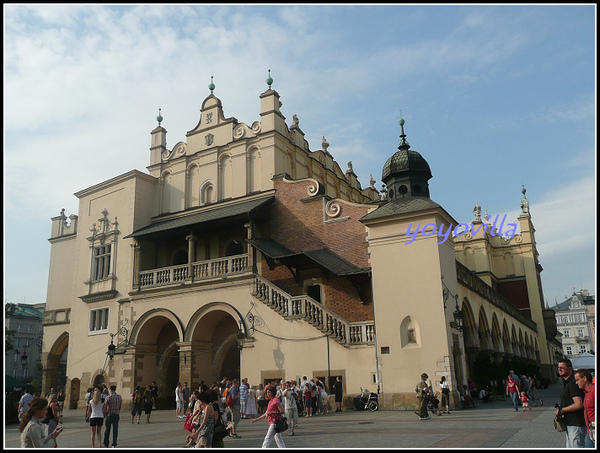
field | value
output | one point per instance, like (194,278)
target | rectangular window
(29,328)
(567,334)
(101,265)
(580,333)
(99,320)
(569,350)
(582,348)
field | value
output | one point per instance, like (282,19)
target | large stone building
(242,253)
(24,321)
(576,321)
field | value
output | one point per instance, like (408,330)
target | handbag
(281,424)
(560,424)
(220,432)
(188,423)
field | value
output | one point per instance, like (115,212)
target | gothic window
(103,245)
(101,262)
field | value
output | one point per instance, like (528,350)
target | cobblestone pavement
(494,425)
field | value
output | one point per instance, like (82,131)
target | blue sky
(494,97)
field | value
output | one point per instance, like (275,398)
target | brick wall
(300,223)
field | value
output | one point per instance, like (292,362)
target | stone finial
(295,121)
(324,144)
(371,181)
(350,169)
(525,202)
(477,211)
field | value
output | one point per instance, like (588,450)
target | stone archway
(212,338)
(155,340)
(51,364)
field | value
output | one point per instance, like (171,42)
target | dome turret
(406,173)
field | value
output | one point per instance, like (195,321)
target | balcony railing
(201,270)
(304,307)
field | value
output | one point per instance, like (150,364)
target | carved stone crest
(209,139)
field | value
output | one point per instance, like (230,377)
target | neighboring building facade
(244,254)
(576,321)
(25,320)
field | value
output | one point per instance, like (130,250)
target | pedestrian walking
(533,391)
(112,411)
(525,401)
(571,406)
(185,393)
(33,432)
(274,410)
(290,395)
(512,390)
(88,397)
(147,404)
(178,401)
(136,404)
(24,403)
(445,387)
(96,417)
(584,380)
(234,391)
(338,388)
(52,417)
(243,398)
(154,391)
(251,408)
(423,390)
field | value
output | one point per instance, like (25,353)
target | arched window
(410,334)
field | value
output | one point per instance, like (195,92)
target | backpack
(138,397)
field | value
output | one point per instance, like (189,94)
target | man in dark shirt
(571,406)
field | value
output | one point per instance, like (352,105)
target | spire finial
(159,118)
(403,143)
(211,87)
(269,80)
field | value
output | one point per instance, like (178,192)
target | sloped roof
(210,214)
(322,257)
(401,206)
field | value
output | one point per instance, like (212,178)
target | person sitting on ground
(484,395)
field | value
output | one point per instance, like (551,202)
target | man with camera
(571,406)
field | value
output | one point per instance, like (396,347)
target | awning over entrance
(213,215)
(12,384)
(324,258)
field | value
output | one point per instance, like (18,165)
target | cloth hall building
(244,253)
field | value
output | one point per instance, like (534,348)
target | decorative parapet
(474,283)
(56,317)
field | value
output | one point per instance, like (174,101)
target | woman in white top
(96,417)
(33,432)
(251,411)
(179,401)
(445,394)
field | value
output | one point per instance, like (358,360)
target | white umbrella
(584,360)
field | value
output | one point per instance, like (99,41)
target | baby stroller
(433,402)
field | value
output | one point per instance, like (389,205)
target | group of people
(40,428)
(523,391)
(221,407)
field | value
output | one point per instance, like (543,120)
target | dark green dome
(405,160)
